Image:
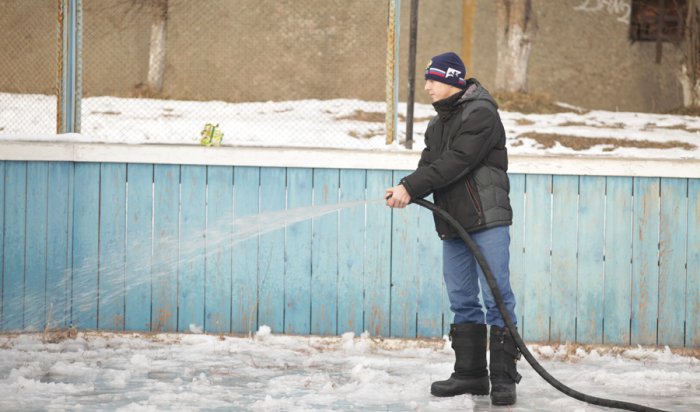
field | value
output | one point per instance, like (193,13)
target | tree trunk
(156,58)
(515,30)
(689,74)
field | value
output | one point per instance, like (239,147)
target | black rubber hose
(511,327)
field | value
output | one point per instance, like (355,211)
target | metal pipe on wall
(413,37)
(70,16)
(392,69)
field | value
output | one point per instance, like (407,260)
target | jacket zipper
(475,199)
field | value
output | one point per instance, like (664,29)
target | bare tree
(515,30)
(156,56)
(689,74)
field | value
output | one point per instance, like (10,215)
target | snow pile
(342,123)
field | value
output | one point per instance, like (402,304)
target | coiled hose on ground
(593,400)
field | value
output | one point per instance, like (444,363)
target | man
(464,166)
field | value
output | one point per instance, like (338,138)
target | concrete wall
(585,57)
(236,50)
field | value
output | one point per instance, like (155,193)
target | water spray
(593,400)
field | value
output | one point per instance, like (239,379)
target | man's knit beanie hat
(447,68)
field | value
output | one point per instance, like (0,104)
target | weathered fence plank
(86,211)
(36,246)
(60,197)
(13,248)
(271,254)
(591,265)
(538,230)
(673,235)
(324,256)
(139,239)
(692,296)
(429,278)
(112,246)
(351,248)
(166,202)
(219,265)
(645,266)
(298,255)
(564,248)
(193,247)
(246,195)
(618,260)
(2,242)
(404,261)
(377,262)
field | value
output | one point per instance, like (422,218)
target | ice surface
(271,372)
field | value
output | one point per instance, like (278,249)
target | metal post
(660,23)
(468,12)
(70,66)
(410,101)
(392,70)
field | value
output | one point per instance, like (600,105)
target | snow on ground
(340,123)
(149,372)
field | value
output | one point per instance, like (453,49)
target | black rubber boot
(504,354)
(471,374)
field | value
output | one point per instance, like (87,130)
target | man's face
(438,90)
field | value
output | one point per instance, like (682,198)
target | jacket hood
(475,91)
(447,107)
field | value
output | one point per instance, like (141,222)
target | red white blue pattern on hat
(441,73)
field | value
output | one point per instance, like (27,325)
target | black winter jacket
(464,163)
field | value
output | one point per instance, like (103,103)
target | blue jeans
(463,275)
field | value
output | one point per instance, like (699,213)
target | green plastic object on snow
(211,135)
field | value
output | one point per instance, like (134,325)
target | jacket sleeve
(474,140)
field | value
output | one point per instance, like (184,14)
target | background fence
(165,68)
(594,259)
(28,68)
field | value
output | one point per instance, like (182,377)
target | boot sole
(505,401)
(457,394)
(451,394)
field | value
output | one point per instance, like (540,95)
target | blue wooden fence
(120,246)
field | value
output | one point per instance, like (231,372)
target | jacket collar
(446,107)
